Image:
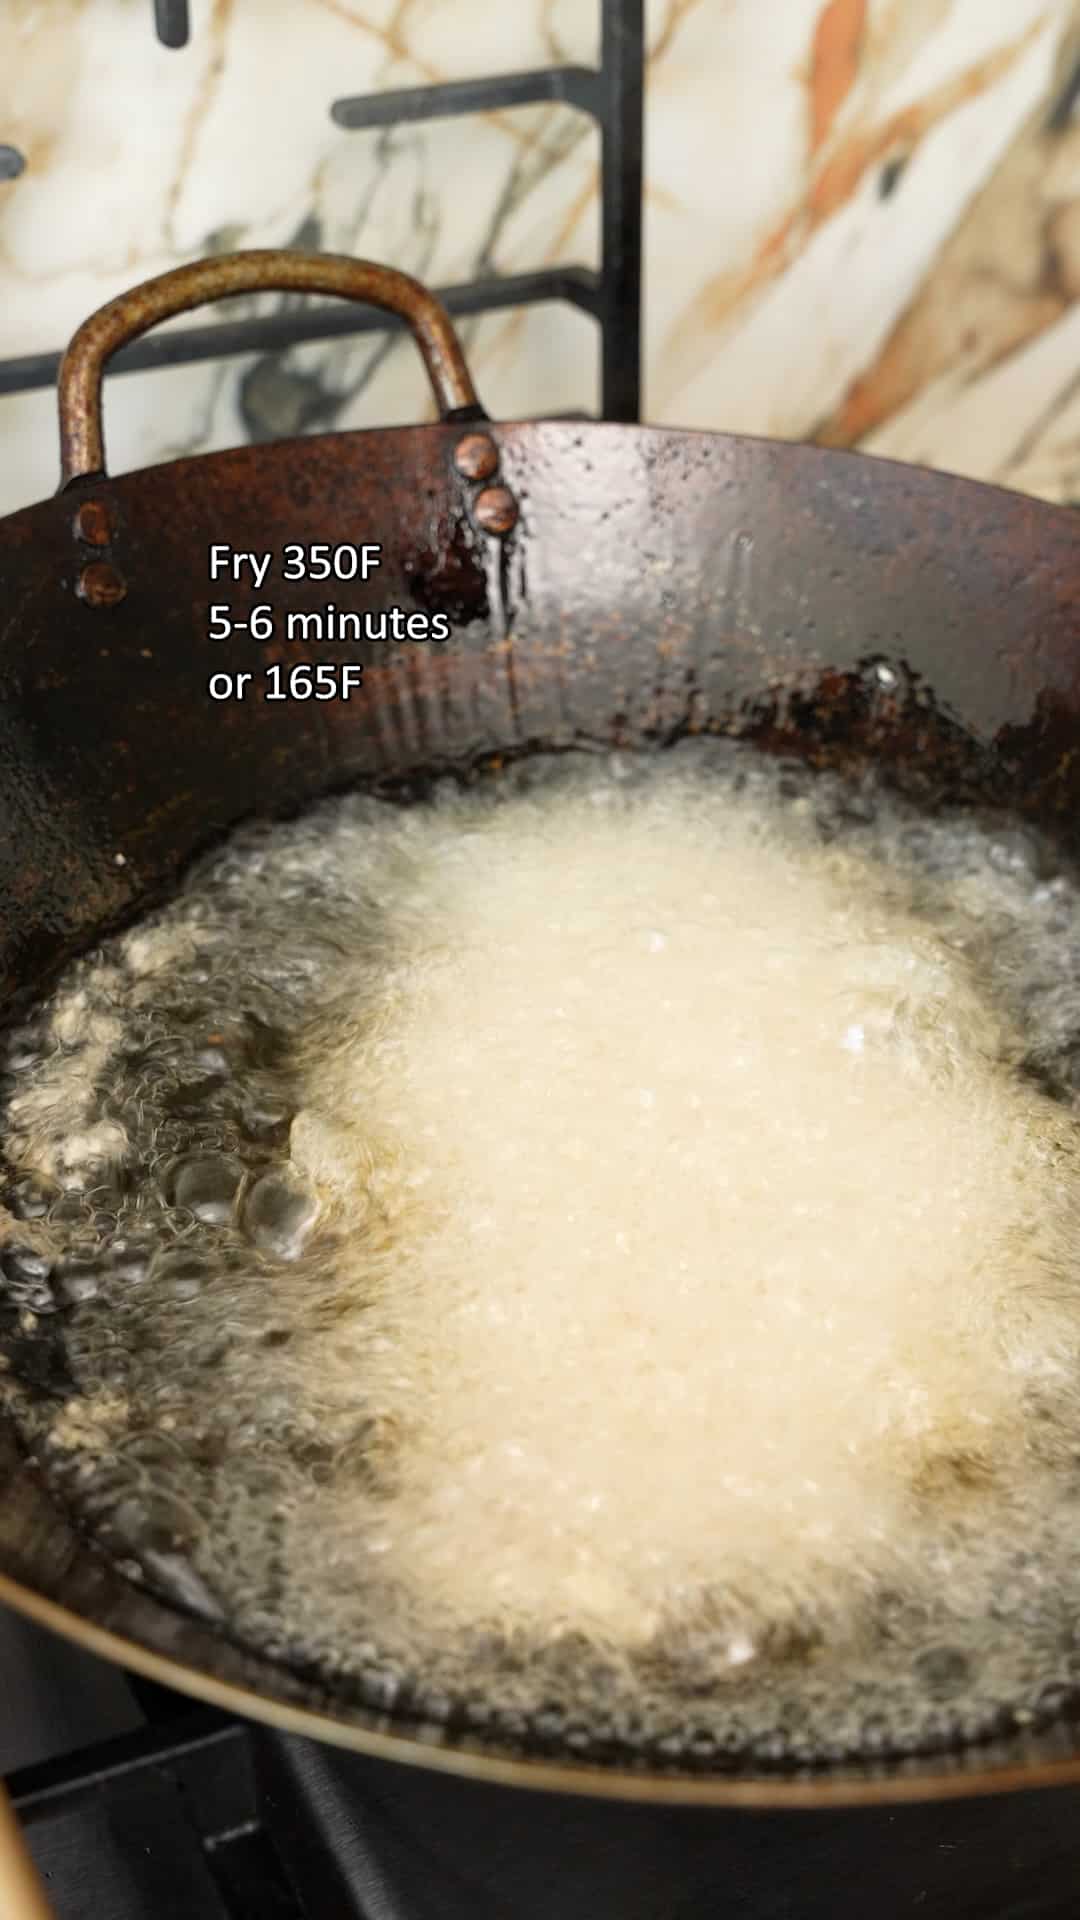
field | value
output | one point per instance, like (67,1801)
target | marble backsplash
(862,216)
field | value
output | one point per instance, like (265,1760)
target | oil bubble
(206,1185)
(179,1273)
(279,1213)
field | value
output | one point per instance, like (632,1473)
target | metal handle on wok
(82,445)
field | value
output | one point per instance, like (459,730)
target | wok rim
(852,458)
(829,1788)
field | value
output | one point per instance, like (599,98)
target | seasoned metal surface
(654,582)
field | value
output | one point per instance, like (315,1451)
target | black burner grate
(172,22)
(201,1817)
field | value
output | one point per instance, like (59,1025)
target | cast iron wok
(606,585)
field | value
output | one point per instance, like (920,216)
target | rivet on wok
(496,510)
(100,585)
(476,457)
(91,524)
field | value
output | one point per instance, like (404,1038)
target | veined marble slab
(862,216)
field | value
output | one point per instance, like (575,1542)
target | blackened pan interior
(828,606)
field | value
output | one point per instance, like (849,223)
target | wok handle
(82,445)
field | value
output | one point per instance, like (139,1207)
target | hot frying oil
(592,1252)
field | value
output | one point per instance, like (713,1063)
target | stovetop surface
(139,1805)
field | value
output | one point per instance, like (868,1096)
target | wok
(605,584)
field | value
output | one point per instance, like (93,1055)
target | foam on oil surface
(598,1249)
